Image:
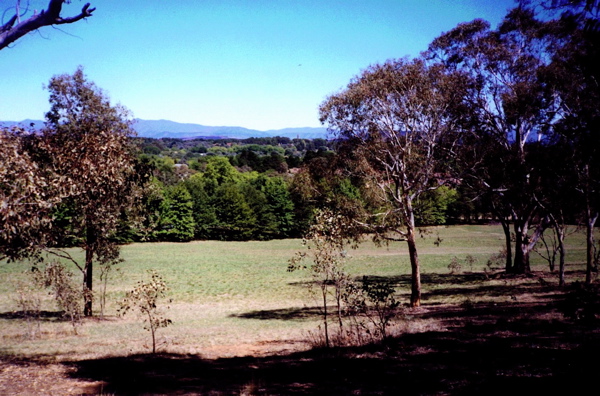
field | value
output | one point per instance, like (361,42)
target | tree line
(248,190)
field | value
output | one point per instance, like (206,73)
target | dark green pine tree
(236,220)
(204,214)
(266,225)
(280,205)
(177,219)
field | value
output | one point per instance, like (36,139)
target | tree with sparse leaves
(326,243)
(144,298)
(395,122)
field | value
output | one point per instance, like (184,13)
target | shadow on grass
(57,316)
(535,356)
(298,314)
(466,285)
(404,280)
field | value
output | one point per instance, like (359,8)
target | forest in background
(255,188)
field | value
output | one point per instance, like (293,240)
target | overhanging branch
(9,32)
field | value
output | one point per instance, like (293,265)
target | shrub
(497,261)
(470,261)
(29,302)
(381,306)
(67,295)
(144,299)
(454,265)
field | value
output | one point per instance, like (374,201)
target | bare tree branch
(8,25)
(9,32)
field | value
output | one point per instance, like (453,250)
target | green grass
(222,293)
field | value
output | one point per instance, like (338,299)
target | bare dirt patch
(31,378)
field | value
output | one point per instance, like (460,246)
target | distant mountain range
(170,129)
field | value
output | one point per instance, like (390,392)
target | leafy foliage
(176,218)
(381,306)
(26,195)
(433,207)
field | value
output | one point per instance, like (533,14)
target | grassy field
(242,325)
(236,298)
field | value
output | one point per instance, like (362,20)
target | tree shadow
(477,348)
(466,285)
(514,346)
(297,314)
(404,280)
(55,316)
(520,356)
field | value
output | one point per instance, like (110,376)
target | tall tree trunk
(88,272)
(507,239)
(87,282)
(415,296)
(521,257)
(521,264)
(589,233)
(590,216)
(561,252)
(522,250)
(524,243)
(325,318)
(559,230)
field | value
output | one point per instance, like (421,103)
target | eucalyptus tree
(512,106)
(87,143)
(395,121)
(575,76)
(557,173)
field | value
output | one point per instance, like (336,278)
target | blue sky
(260,64)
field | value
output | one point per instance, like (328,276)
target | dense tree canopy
(26,195)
